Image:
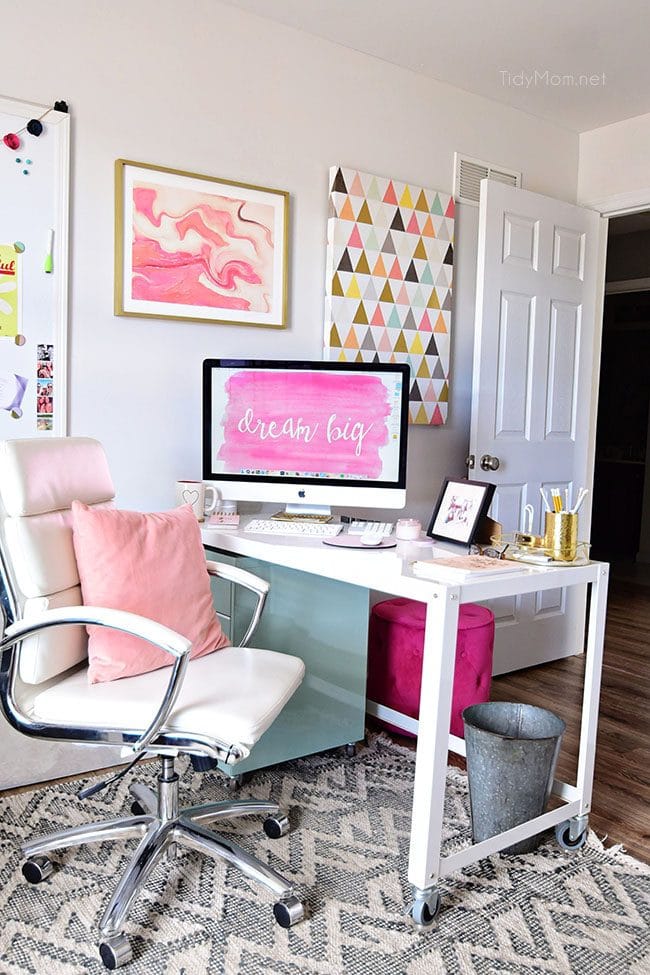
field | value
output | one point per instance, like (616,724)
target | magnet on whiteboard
(48,264)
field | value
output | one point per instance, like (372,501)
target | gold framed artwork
(197,248)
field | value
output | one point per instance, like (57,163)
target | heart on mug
(190,497)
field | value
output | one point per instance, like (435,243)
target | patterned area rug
(547,912)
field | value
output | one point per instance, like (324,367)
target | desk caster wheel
(563,837)
(37,869)
(115,952)
(138,809)
(288,911)
(276,826)
(424,910)
(235,782)
(350,750)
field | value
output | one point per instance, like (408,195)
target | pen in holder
(561,535)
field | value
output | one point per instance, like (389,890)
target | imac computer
(311,435)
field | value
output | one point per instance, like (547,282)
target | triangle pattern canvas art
(390,254)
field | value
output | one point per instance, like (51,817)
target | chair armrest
(260,587)
(161,636)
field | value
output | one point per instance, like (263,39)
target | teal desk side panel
(325,623)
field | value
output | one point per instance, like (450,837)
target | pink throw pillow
(151,564)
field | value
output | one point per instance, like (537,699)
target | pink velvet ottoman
(395,642)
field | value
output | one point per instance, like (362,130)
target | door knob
(469,462)
(489,463)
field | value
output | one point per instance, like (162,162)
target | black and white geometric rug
(546,912)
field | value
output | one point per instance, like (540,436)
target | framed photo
(459,509)
(198,248)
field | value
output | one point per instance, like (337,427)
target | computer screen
(310,434)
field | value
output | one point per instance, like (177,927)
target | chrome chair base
(162,829)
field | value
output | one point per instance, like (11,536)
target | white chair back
(39,479)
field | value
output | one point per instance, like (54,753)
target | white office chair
(44,691)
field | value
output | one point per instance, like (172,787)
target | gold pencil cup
(561,535)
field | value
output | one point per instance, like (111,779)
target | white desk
(387,571)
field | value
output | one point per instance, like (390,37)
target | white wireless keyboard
(380,528)
(297,529)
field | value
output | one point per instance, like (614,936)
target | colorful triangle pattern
(390,254)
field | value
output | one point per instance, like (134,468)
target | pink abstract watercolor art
(201,249)
(289,421)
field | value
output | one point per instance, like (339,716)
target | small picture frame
(459,509)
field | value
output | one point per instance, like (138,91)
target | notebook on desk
(459,568)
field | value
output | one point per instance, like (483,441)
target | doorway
(620,532)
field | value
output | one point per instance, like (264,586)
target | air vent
(468,174)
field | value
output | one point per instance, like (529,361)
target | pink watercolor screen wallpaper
(318,423)
(201,249)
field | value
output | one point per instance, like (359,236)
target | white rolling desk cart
(387,571)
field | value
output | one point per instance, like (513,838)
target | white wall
(614,161)
(201,86)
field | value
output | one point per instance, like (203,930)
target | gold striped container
(561,535)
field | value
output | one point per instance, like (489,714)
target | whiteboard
(34,188)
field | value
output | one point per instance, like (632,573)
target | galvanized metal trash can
(512,750)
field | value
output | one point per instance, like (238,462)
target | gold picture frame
(198,248)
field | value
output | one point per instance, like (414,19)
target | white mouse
(371,539)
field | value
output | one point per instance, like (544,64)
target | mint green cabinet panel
(223,594)
(325,623)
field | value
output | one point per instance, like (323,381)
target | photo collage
(44,381)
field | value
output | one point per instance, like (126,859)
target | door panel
(569,253)
(520,241)
(514,373)
(562,390)
(549,602)
(537,344)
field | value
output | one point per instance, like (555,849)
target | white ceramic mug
(194,493)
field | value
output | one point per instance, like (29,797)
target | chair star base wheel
(288,911)
(145,800)
(115,952)
(37,869)
(276,826)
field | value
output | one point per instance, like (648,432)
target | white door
(540,284)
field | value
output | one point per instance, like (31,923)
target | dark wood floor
(621,801)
